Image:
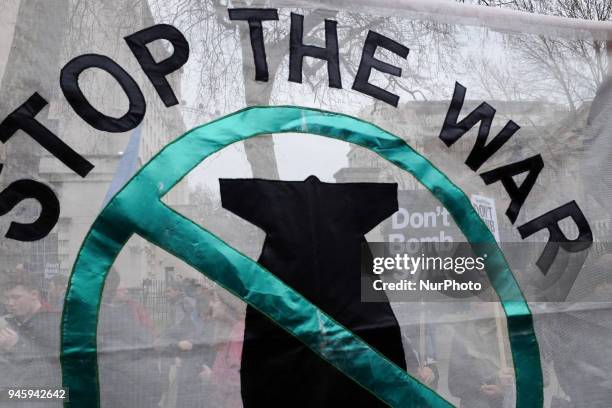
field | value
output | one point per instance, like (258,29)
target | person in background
(228,314)
(207,301)
(578,341)
(29,337)
(423,366)
(3,300)
(475,374)
(183,305)
(57,291)
(175,345)
(139,312)
(127,364)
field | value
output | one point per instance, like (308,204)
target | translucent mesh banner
(331,148)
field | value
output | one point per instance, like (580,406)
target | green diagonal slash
(137,209)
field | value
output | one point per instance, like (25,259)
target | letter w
(484,113)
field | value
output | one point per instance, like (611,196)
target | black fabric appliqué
(255,17)
(314,235)
(368,62)
(453,129)
(21,190)
(69,82)
(505,174)
(557,238)
(298,50)
(157,71)
(24,118)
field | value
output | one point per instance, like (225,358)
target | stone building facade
(46,35)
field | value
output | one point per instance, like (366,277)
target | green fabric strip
(137,209)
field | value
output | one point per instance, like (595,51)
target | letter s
(480,263)
(21,190)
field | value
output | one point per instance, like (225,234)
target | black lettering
(505,174)
(157,71)
(557,238)
(69,82)
(362,84)
(484,113)
(24,118)
(21,190)
(254,16)
(298,51)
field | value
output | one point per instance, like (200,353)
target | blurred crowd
(192,358)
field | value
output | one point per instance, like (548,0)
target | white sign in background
(485,207)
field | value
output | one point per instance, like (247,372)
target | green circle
(137,209)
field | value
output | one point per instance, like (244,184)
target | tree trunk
(260,150)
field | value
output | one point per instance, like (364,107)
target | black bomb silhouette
(315,232)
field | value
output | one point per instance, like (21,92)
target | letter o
(416,220)
(69,82)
